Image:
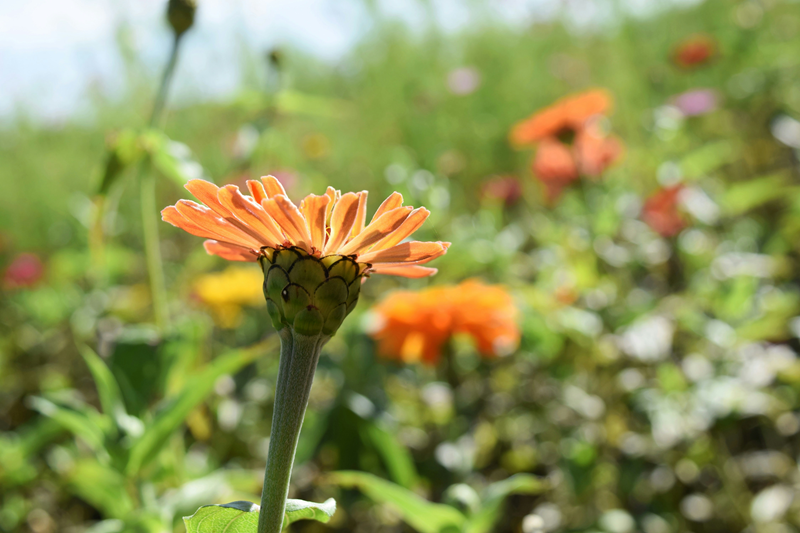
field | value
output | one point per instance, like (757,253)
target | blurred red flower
(413,326)
(694,51)
(660,211)
(26,270)
(506,189)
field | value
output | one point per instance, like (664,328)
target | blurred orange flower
(694,51)
(568,114)
(413,326)
(555,166)
(660,211)
(595,151)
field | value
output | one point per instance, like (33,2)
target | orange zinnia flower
(415,325)
(567,114)
(660,211)
(694,51)
(240,227)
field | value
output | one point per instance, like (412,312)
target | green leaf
(303,510)
(396,457)
(297,103)
(107,387)
(422,515)
(242,517)
(172,159)
(193,393)
(753,193)
(708,158)
(493,497)
(101,486)
(123,150)
(82,421)
(234,517)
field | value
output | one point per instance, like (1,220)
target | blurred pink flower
(464,80)
(26,270)
(696,102)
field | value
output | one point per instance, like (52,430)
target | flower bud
(309,294)
(180,14)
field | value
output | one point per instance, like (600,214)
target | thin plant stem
(299,356)
(147,199)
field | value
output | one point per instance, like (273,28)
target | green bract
(309,294)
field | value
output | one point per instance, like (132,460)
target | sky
(55,53)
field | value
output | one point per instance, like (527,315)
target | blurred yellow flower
(413,326)
(226,292)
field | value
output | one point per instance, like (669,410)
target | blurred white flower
(697,508)
(648,339)
(771,504)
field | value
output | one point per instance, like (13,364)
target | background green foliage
(660,396)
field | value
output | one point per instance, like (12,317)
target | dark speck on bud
(180,14)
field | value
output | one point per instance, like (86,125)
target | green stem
(299,356)
(152,249)
(147,195)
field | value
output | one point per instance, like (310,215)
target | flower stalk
(298,362)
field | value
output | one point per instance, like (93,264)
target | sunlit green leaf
(82,421)
(242,517)
(398,460)
(194,391)
(742,197)
(107,387)
(422,515)
(494,496)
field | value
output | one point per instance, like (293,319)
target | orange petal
(386,224)
(406,271)
(407,252)
(342,220)
(409,226)
(231,252)
(361,214)
(206,192)
(172,215)
(394,201)
(257,190)
(288,217)
(252,214)
(334,195)
(272,186)
(315,210)
(205,218)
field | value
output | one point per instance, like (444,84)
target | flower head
(308,251)
(413,326)
(660,211)
(565,115)
(694,51)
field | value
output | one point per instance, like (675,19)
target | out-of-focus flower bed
(619,311)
